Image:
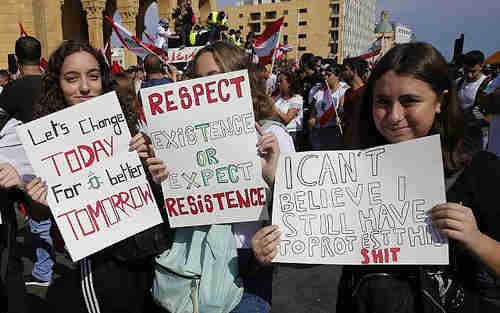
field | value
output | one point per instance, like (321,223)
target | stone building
(52,21)
(329,28)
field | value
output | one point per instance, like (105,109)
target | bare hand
(37,191)
(140,143)
(269,152)
(265,244)
(456,222)
(9,177)
(156,167)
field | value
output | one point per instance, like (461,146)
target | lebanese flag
(106,52)
(374,50)
(43,62)
(266,44)
(282,51)
(131,42)
(329,112)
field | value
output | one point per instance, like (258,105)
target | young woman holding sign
(411,94)
(118,278)
(220,58)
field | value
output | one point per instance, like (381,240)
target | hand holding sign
(456,222)
(265,244)
(139,143)
(9,177)
(269,151)
(157,168)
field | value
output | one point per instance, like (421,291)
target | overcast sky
(440,22)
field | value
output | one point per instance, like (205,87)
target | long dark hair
(423,62)
(230,58)
(293,82)
(51,96)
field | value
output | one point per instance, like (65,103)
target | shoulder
(284,139)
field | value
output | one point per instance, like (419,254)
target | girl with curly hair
(76,73)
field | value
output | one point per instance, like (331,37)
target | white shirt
(321,104)
(467,91)
(243,232)
(271,83)
(294,102)
(161,35)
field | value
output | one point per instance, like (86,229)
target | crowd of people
(317,104)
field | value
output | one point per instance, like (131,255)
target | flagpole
(337,118)
(274,55)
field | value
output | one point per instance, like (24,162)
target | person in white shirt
(328,101)
(289,105)
(469,87)
(163,34)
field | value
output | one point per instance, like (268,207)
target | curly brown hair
(125,90)
(228,58)
(51,95)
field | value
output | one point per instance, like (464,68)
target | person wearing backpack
(470,89)
(410,95)
(183,283)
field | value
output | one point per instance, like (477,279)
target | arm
(290,115)
(458,222)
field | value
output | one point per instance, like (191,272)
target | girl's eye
(71,79)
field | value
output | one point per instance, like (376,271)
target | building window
(286,24)
(254,27)
(271,15)
(302,23)
(302,36)
(302,48)
(335,35)
(259,2)
(335,8)
(303,10)
(285,39)
(334,48)
(255,16)
(285,12)
(241,15)
(335,22)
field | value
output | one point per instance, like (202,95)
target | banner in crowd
(176,55)
(204,130)
(361,206)
(97,189)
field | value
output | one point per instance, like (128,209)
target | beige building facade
(52,21)
(329,28)
(309,25)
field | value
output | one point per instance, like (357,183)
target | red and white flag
(266,43)
(131,42)
(374,50)
(282,51)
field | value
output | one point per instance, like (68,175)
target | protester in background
(164,34)
(328,101)
(4,79)
(218,58)
(470,87)
(411,94)
(289,105)
(155,72)
(76,73)
(354,71)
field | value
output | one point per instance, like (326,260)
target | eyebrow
(212,73)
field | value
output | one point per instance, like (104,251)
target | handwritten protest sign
(204,129)
(361,206)
(97,190)
(177,55)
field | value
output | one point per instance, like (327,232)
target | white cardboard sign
(204,129)
(97,189)
(361,206)
(176,55)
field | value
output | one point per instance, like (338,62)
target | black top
(477,188)
(19,96)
